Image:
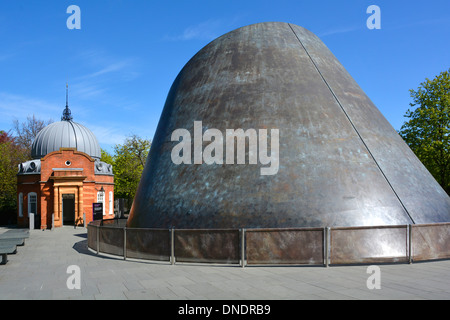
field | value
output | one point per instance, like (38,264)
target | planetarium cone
(332,159)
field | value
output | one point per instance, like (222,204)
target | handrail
(274,246)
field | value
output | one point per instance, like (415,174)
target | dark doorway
(68,208)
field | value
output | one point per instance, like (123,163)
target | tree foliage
(128,163)
(13,151)
(11,154)
(25,132)
(427,130)
(106,157)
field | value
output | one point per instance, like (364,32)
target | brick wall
(65,171)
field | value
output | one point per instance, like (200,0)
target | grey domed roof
(65,134)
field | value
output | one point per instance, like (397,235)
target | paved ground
(39,271)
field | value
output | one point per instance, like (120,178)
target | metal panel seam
(351,122)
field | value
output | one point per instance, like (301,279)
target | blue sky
(122,62)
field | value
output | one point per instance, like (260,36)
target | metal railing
(301,246)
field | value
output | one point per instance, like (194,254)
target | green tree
(11,154)
(106,157)
(427,130)
(128,163)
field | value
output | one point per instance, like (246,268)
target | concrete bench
(16,237)
(6,249)
(21,233)
(6,236)
(9,240)
(16,241)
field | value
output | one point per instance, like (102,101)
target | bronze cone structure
(340,162)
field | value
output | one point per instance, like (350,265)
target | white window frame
(30,195)
(111,208)
(101,199)
(21,205)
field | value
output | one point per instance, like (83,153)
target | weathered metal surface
(111,222)
(350,245)
(423,198)
(221,246)
(340,162)
(285,246)
(149,244)
(369,245)
(92,236)
(431,241)
(111,240)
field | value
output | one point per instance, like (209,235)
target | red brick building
(65,177)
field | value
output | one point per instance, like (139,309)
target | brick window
(101,199)
(21,204)
(32,203)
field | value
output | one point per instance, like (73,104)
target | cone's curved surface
(340,163)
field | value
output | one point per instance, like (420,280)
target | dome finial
(67,115)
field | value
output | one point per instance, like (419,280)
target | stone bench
(22,233)
(15,240)
(19,237)
(9,240)
(5,249)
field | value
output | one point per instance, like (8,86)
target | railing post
(243,248)
(324,246)
(98,239)
(125,243)
(172,246)
(327,246)
(410,243)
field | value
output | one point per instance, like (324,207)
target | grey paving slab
(141,295)
(39,271)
